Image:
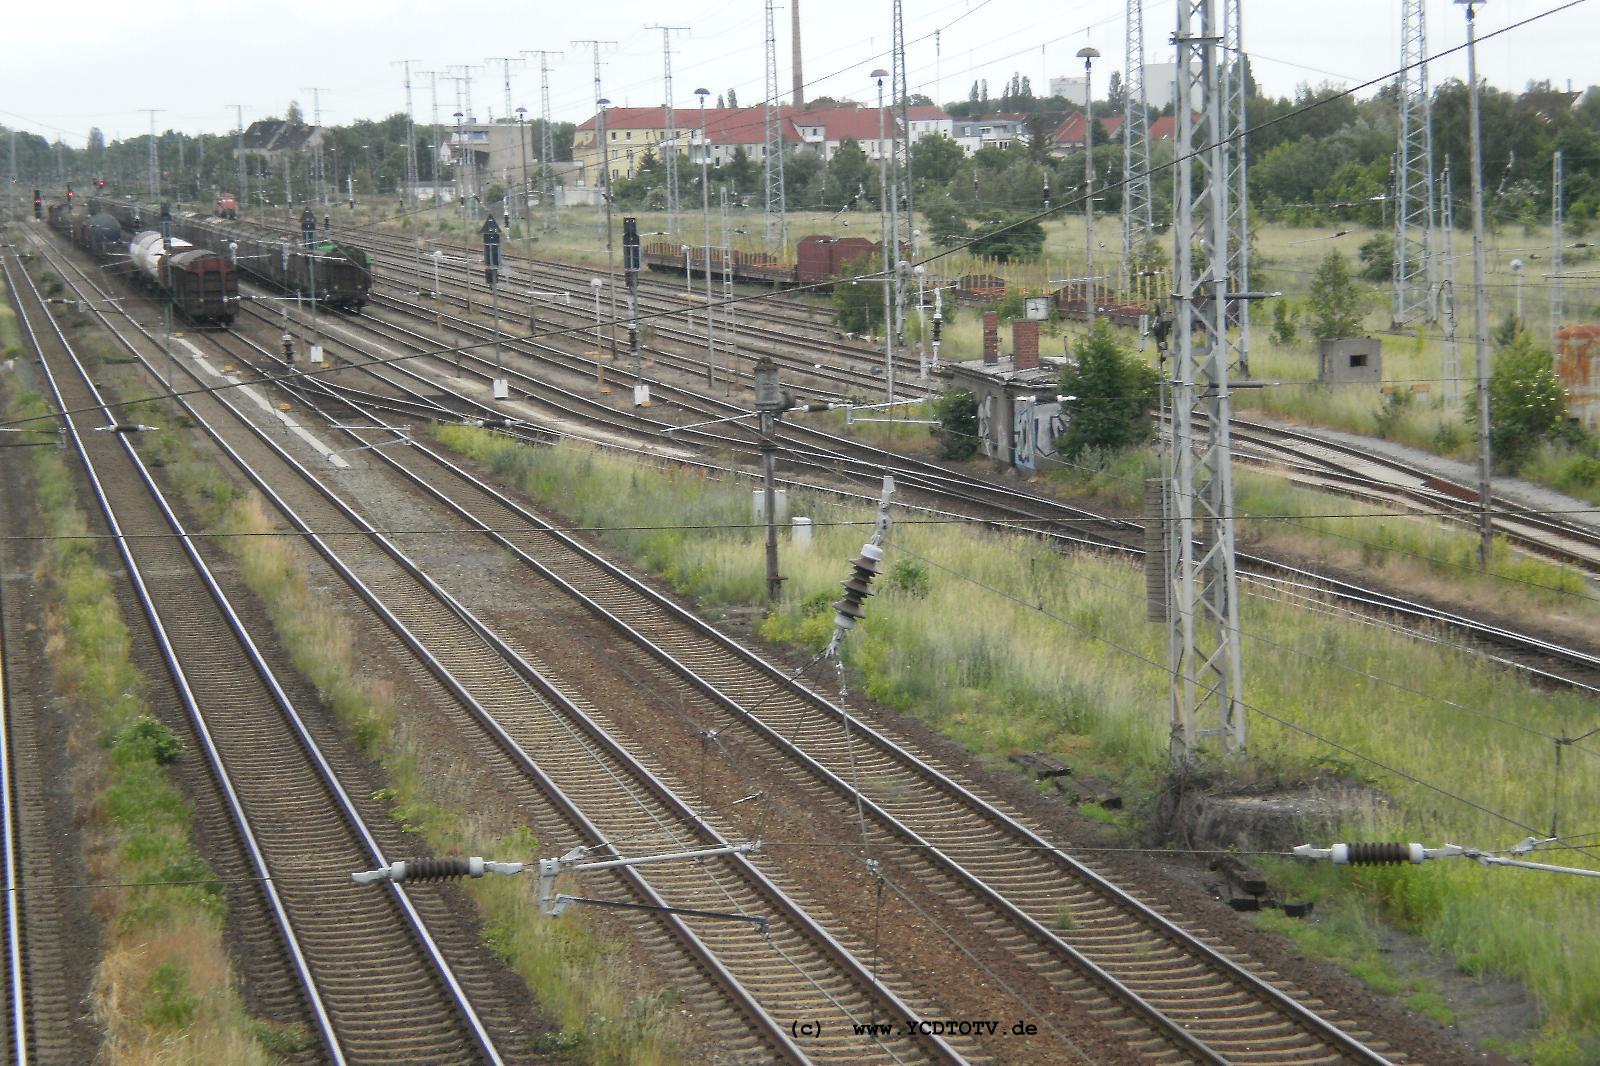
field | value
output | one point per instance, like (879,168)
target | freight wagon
(818,260)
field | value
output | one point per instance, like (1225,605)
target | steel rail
(291,715)
(1166,1025)
(776,1035)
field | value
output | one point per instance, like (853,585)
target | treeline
(195,167)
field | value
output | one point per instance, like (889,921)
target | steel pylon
(1203,584)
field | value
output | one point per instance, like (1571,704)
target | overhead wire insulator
(431,869)
(857,587)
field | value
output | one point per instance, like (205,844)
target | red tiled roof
(926,111)
(839,123)
(1071,129)
(1164,128)
(724,125)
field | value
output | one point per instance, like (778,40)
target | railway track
(791,969)
(828,457)
(1318,462)
(374,985)
(1212,1012)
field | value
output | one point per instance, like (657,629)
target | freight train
(340,276)
(203,284)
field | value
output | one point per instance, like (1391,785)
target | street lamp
(705,215)
(372,186)
(1088,55)
(888,262)
(1480,312)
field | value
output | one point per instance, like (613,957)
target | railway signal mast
(1202,585)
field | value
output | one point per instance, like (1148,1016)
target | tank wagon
(204,284)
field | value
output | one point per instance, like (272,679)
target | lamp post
(605,194)
(705,215)
(1088,55)
(527,230)
(372,186)
(599,368)
(1480,312)
(888,256)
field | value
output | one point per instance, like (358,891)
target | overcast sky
(97,62)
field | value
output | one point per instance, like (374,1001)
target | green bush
(1114,392)
(1526,399)
(1337,304)
(957,412)
(147,737)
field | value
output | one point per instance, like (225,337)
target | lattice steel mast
(1450,369)
(411,139)
(547,174)
(1236,194)
(155,158)
(318,173)
(1204,588)
(1138,218)
(1558,218)
(1413,184)
(776,217)
(900,162)
(668,146)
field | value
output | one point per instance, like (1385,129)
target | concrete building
(1358,359)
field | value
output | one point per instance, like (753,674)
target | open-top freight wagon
(818,260)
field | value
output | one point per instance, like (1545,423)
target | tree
(296,117)
(946,225)
(1526,399)
(1009,238)
(1377,257)
(1114,392)
(1041,136)
(720,104)
(1114,93)
(858,306)
(957,412)
(936,160)
(1337,305)
(733,98)
(849,171)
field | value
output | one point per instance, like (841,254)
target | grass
(1008,647)
(163,989)
(573,973)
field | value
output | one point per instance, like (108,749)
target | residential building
(991,131)
(270,138)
